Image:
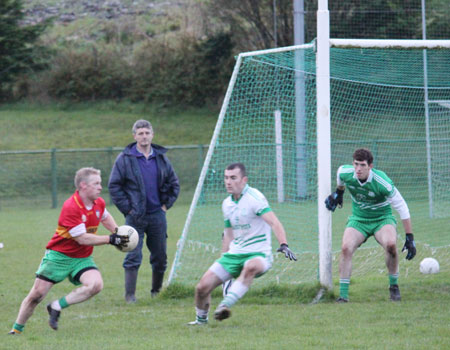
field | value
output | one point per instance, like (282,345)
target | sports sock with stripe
(202,315)
(236,292)
(18,328)
(344,284)
(393,279)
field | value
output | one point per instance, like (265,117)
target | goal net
(394,101)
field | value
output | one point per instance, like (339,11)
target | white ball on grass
(429,265)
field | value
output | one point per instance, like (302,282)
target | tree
(19,48)
(252,21)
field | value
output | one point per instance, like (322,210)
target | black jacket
(126,186)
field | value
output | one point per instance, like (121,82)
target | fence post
(54,179)
(200,158)
(110,163)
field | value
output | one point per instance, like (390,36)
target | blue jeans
(154,225)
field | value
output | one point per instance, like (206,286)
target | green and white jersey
(251,233)
(372,198)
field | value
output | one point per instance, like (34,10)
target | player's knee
(391,248)
(36,297)
(201,289)
(346,250)
(251,269)
(95,287)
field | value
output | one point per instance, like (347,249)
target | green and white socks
(17,328)
(393,279)
(59,304)
(344,284)
(201,315)
(236,292)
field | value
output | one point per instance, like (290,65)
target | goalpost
(373,94)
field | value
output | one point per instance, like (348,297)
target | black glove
(410,246)
(287,252)
(335,199)
(118,241)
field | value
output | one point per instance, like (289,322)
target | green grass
(268,317)
(273,317)
(97,125)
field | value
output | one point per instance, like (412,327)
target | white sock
(201,313)
(55,305)
(236,292)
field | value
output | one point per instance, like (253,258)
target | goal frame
(323,115)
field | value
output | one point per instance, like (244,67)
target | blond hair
(83,174)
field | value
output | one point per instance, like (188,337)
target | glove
(410,246)
(287,252)
(335,199)
(118,241)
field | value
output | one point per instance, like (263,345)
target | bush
(182,71)
(90,74)
(173,70)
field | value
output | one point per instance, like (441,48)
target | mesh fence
(395,19)
(45,177)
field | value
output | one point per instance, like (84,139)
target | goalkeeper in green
(246,245)
(372,193)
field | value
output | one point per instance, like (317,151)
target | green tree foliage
(19,50)
(89,74)
(182,70)
(187,71)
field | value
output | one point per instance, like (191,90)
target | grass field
(271,318)
(96,125)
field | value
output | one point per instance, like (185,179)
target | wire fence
(44,178)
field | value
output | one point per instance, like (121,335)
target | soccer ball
(132,234)
(429,265)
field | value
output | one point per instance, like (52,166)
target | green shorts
(368,227)
(56,266)
(234,263)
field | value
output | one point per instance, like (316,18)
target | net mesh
(377,101)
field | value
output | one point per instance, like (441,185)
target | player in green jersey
(373,193)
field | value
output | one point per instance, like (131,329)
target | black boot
(130,285)
(157,281)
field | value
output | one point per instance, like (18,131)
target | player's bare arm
(109,223)
(278,229)
(91,239)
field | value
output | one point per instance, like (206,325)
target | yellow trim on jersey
(63,232)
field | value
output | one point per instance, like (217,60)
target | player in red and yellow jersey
(68,253)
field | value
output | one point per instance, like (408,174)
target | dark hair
(362,154)
(240,166)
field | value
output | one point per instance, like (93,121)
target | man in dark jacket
(143,186)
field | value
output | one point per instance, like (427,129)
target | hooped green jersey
(371,198)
